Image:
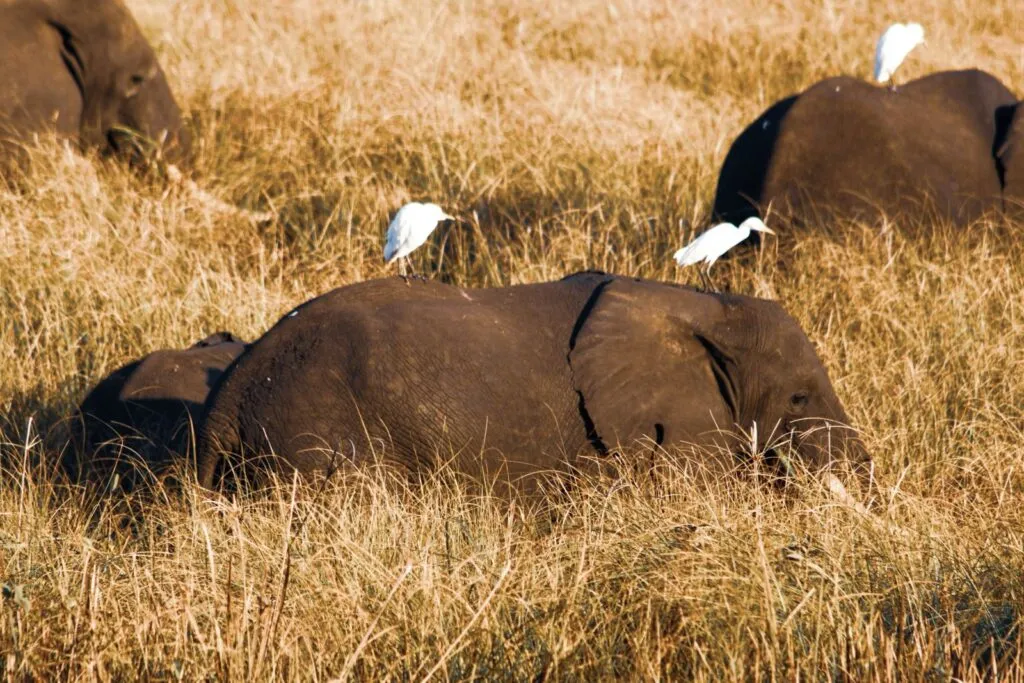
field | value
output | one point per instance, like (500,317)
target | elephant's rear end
(288,403)
(417,374)
(843,152)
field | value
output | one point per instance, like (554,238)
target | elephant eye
(798,400)
(135,82)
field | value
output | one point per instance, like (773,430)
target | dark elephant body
(512,382)
(848,148)
(1011,158)
(138,417)
(82,70)
(381,361)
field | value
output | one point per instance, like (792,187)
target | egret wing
(690,254)
(393,242)
(400,232)
(881,73)
(893,47)
(706,246)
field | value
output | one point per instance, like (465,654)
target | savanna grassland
(571,134)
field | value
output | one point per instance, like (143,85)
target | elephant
(1011,161)
(513,383)
(848,148)
(137,418)
(84,71)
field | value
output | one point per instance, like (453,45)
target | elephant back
(848,148)
(862,151)
(741,179)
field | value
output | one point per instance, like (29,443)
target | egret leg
(705,281)
(709,285)
(415,275)
(401,270)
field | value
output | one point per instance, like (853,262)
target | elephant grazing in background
(851,149)
(519,380)
(140,416)
(82,69)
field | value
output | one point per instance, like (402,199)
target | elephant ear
(646,364)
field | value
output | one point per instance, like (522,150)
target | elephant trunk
(177,143)
(838,491)
(836,449)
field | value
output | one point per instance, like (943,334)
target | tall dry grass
(574,135)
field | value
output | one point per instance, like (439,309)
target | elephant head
(127,105)
(677,365)
(138,419)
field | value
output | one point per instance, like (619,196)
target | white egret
(893,47)
(409,229)
(715,241)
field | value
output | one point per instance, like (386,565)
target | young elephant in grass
(138,418)
(512,382)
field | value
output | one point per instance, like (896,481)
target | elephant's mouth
(116,140)
(129,143)
(780,461)
(771,466)
(776,461)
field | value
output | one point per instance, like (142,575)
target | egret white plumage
(893,47)
(715,241)
(409,229)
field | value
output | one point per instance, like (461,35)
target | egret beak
(757,225)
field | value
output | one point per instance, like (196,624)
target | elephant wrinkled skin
(517,381)
(141,415)
(82,70)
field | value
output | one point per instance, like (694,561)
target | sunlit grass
(569,135)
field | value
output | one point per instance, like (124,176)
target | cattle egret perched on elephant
(893,47)
(715,241)
(409,229)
